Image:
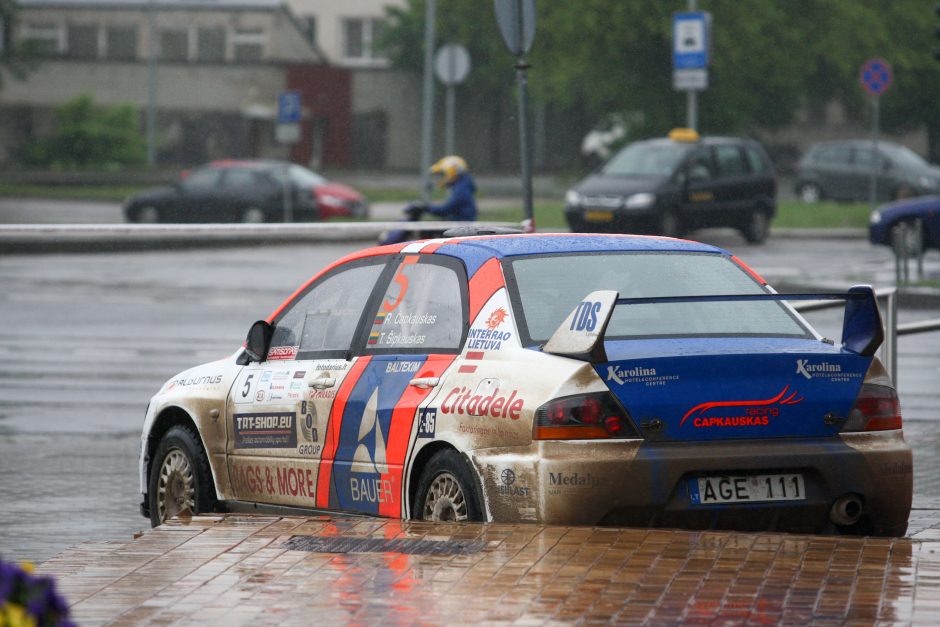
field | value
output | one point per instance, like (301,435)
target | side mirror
(259,340)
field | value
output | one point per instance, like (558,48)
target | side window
(323,322)
(866,158)
(836,155)
(422,311)
(730,161)
(754,160)
(240,179)
(700,167)
(203,179)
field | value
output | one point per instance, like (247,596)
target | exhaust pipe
(846,510)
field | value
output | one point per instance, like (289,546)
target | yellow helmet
(450,167)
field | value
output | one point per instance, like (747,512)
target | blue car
(884,220)
(552,378)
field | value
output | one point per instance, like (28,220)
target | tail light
(877,408)
(583,417)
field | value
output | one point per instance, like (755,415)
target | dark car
(841,170)
(246,191)
(917,213)
(675,184)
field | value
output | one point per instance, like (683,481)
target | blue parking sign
(288,107)
(690,40)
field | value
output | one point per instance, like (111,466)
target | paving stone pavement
(239,569)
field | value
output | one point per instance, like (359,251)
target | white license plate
(747,489)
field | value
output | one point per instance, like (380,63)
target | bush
(90,137)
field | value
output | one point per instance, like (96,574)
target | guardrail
(889,348)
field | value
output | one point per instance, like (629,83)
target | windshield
(547,288)
(646,159)
(303,176)
(905,158)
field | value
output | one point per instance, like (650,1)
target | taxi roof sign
(683,135)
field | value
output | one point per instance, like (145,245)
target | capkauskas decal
(756,414)
(265,430)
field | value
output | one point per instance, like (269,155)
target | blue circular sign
(876,76)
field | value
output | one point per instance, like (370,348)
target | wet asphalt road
(87,339)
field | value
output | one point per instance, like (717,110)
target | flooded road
(87,339)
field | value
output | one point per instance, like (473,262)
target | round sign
(452,64)
(876,76)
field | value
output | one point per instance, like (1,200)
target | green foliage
(769,58)
(16,60)
(87,136)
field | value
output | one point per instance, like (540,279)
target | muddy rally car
(569,379)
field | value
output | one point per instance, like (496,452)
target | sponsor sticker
(825,370)
(274,481)
(753,413)
(279,353)
(265,430)
(462,400)
(427,422)
(638,374)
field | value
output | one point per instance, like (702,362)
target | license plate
(599,216)
(746,489)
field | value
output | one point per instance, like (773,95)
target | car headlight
(573,198)
(926,181)
(875,217)
(640,201)
(333,200)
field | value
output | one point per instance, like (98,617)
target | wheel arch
(168,418)
(420,462)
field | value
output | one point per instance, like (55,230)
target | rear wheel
(252,215)
(146,215)
(757,227)
(447,490)
(180,478)
(810,193)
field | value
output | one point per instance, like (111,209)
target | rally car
(562,378)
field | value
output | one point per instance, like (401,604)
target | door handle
(425,382)
(322,383)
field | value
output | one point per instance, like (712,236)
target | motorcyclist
(461,204)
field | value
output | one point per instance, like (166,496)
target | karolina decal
(753,418)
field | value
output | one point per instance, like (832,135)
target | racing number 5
(247,389)
(402,281)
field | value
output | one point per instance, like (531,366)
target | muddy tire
(447,490)
(180,480)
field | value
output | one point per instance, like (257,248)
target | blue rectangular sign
(288,107)
(689,40)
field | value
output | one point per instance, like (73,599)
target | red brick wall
(325,92)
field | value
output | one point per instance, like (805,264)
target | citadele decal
(756,414)
(462,400)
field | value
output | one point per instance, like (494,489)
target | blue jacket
(461,204)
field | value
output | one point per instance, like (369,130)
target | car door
(412,336)
(834,168)
(735,188)
(279,409)
(699,201)
(196,193)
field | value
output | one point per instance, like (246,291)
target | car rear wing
(581,335)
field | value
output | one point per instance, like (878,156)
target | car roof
(247,163)
(475,251)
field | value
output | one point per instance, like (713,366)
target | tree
(87,136)
(769,58)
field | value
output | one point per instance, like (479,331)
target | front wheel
(757,227)
(180,479)
(253,215)
(447,490)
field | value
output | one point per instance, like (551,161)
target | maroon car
(247,191)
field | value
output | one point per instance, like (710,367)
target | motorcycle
(412,213)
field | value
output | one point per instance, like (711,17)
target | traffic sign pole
(876,77)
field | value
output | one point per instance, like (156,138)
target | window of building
(174,44)
(210,44)
(43,39)
(311,22)
(121,43)
(360,39)
(249,45)
(82,41)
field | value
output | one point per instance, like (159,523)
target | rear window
(545,289)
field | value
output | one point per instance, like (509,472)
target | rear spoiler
(581,335)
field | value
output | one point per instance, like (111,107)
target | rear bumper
(606,220)
(638,483)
